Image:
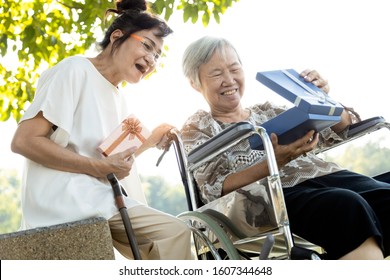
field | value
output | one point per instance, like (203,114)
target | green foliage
(164,197)
(193,8)
(371,159)
(10,211)
(36,34)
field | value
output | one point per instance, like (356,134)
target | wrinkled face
(138,55)
(222,81)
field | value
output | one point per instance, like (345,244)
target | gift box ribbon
(322,96)
(130,127)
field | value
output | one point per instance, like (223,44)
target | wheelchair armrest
(223,138)
(361,127)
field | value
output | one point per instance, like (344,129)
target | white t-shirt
(86,108)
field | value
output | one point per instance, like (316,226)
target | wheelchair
(215,233)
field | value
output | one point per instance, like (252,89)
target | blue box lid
(292,125)
(304,95)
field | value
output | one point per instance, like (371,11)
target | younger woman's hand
(158,138)
(121,163)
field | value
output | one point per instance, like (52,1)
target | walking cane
(120,203)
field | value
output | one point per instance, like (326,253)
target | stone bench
(88,239)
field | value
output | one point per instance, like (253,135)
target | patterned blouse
(201,126)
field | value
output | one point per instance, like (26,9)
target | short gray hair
(200,52)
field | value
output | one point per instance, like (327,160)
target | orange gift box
(131,132)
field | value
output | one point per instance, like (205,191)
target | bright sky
(345,41)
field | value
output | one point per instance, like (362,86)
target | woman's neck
(103,64)
(232,117)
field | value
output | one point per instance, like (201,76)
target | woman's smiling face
(137,56)
(222,80)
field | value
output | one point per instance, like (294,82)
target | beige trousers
(160,236)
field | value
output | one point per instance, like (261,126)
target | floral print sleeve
(209,177)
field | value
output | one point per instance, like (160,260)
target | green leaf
(205,18)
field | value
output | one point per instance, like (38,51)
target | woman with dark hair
(78,103)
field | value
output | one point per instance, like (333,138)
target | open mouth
(140,68)
(229,92)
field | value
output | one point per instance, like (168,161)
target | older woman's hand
(315,78)
(287,153)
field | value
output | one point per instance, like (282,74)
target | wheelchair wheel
(210,240)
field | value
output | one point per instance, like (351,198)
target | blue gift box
(304,95)
(313,109)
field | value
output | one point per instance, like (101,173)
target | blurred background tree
(370,158)
(163,196)
(10,212)
(40,33)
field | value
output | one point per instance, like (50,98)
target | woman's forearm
(245,177)
(45,152)
(345,121)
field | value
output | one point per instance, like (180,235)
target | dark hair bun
(123,5)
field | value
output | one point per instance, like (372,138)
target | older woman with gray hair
(343,212)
